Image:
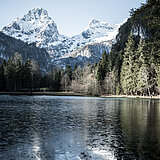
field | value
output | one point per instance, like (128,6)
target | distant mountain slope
(90,53)
(9,45)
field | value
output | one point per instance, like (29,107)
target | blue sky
(71,16)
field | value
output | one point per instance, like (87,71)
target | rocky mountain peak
(96,24)
(35,26)
(35,14)
(93,22)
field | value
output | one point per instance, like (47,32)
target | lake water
(79,128)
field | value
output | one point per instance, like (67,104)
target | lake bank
(129,96)
(76,94)
(43,93)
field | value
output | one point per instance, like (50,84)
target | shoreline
(43,93)
(76,94)
(129,96)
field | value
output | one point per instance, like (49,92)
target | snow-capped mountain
(96,33)
(34,27)
(96,29)
(37,27)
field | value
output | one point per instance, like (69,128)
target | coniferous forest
(132,67)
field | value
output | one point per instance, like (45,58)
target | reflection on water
(78,128)
(140,120)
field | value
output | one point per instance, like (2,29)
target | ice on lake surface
(78,128)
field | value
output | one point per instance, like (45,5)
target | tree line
(17,75)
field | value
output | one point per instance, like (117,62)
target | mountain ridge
(37,27)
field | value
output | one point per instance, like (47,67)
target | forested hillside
(136,55)
(9,46)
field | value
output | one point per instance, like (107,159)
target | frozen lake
(78,128)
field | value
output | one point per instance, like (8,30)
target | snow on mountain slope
(91,49)
(95,34)
(93,31)
(34,27)
(37,27)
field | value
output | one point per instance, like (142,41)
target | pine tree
(10,72)
(143,78)
(74,72)
(69,71)
(158,70)
(99,72)
(127,70)
(27,75)
(18,70)
(143,74)
(153,59)
(36,72)
(57,81)
(102,68)
(3,82)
